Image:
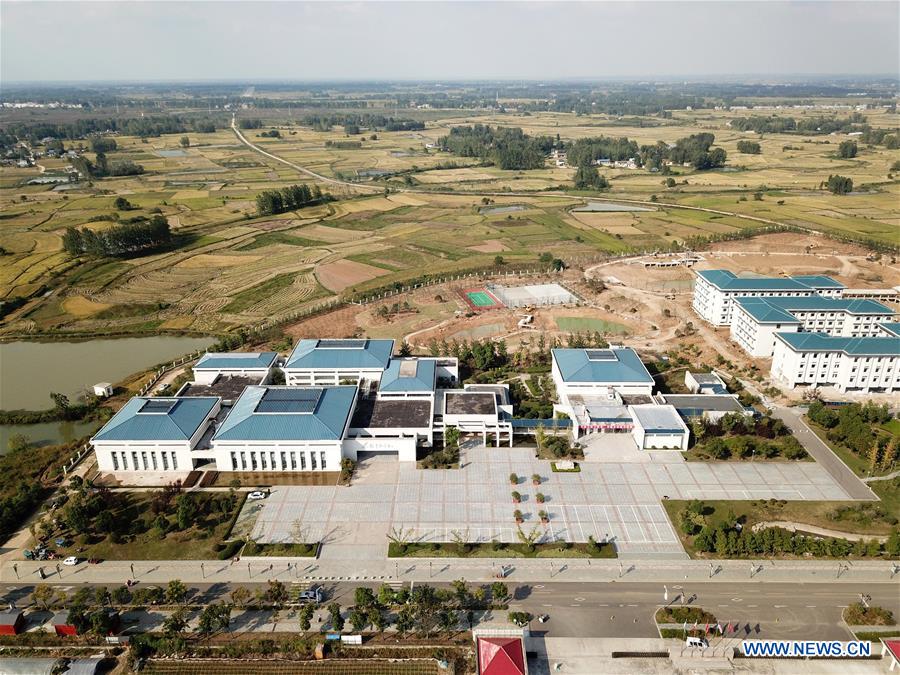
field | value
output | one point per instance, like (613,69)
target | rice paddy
(232,268)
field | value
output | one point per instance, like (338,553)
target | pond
(609,207)
(494,210)
(49,433)
(31,370)
(171,153)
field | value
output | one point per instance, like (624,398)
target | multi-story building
(716,290)
(157,435)
(600,372)
(254,365)
(333,362)
(756,320)
(867,364)
(285,429)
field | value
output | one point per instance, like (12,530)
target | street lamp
(202,570)
(710,570)
(16,570)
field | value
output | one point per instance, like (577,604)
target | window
(293,461)
(283,461)
(153,459)
(134,461)
(303,461)
(244,461)
(322,455)
(165,460)
(115,460)
(312,460)
(125,461)
(253,461)
(272,457)
(174,462)
(144,459)
(262,461)
(234,463)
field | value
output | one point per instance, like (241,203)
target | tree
(43,595)
(588,178)
(670,182)
(364,597)
(187,511)
(376,618)
(499,591)
(176,622)
(276,593)
(61,403)
(334,616)
(405,621)
(499,261)
(185,142)
(176,592)
(748,147)
(359,619)
(214,617)
(839,185)
(305,616)
(847,149)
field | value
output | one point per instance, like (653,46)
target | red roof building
(501,656)
(892,647)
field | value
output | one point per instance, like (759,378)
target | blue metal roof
(397,377)
(860,346)
(613,365)
(729,281)
(892,327)
(235,360)
(325,421)
(336,354)
(777,310)
(146,418)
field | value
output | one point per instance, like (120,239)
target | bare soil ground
(340,274)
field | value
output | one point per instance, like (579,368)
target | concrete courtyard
(611,501)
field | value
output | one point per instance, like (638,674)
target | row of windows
(161,460)
(266,460)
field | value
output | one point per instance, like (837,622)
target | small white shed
(103,389)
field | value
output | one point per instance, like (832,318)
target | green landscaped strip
(281,550)
(452,550)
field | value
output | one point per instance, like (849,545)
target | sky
(305,41)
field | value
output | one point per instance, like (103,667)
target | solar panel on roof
(601,355)
(162,406)
(341,344)
(289,401)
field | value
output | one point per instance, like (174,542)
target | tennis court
(480,298)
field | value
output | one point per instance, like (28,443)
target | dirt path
(821,531)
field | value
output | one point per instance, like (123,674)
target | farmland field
(408,210)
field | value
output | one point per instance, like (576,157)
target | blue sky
(76,41)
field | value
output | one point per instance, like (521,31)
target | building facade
(716,290)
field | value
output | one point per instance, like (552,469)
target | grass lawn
(855,517)
(700,453)
(199,542)
(452,550)
(578,324)
(857,464)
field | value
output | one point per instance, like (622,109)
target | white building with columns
(334,362)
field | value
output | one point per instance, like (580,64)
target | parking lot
(620,502)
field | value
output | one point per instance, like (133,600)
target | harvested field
(80,306)
(208,260)
(341,274)
(490,246)
(330,235)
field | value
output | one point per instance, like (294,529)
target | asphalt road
(626,610)
(823,455)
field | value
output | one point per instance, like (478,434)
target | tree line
(132,126)
(855,427)
(505,147)
(814,126)
(119,240)
(357,122)
(102,167)
(270,202)
(588,150)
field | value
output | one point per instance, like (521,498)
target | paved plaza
(619,502)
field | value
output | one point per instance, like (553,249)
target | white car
(71,560)
(257,495)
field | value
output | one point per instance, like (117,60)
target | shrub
(230,549)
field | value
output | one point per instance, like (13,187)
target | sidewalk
(447,569)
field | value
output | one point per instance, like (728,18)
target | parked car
(312,595)
(71,560)
(257,494)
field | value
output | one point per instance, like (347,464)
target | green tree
(334,616)
(847,149)
(176,592)
(176,622)
(185,142)
(839,185)
(588,178)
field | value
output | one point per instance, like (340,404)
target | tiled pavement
(613,501)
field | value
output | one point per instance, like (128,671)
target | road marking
(579,599)
(780,606)
(546,605)
(737,599)
(752,605)
(810,606)
(602,605)
(632,605)
(539,585)
(574,605)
